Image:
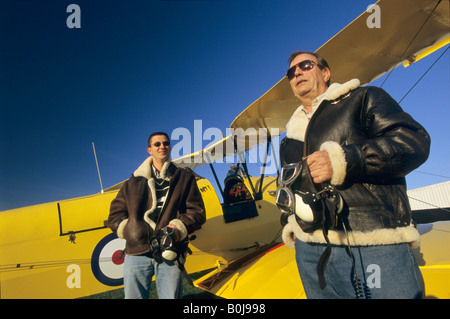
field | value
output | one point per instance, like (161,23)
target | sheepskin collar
(336,90)
(145,169)
(296,126)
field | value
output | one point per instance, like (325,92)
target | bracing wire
(437,175)
(412,40)
(423,75)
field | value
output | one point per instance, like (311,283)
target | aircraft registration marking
(205,188)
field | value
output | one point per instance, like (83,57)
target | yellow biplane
(63,249)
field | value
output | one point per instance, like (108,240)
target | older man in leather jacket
(360,141)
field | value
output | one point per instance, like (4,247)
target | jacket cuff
(121,227)
(181,228)
(288,236)
(338,161)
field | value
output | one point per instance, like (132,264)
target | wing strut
(244,165)
(214,173)
(269,141)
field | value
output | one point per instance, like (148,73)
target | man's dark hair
(322,63)
(157,133)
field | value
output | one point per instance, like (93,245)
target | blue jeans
(384,272)
(138,273)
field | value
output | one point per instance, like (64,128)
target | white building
(430,203)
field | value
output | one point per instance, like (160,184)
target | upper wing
(406,29)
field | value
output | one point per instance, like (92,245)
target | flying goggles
(296,201)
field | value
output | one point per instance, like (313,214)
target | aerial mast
(98,170)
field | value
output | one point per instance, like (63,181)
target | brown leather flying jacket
(136,200)
(372,145)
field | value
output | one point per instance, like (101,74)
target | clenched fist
(320,167)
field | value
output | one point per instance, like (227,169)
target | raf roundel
(107,260)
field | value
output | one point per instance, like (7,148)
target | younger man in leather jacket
(359,140)
(157,195)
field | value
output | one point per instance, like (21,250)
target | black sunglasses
(158,144)
(305,65)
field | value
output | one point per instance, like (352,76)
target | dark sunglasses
(305,65)
(158,144)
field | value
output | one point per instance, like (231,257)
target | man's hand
(320,167)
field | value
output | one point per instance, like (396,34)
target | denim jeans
(384,272)
(138,273)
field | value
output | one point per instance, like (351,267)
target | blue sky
(140,66)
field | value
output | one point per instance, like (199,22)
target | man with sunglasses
(358,142)
(155,211)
